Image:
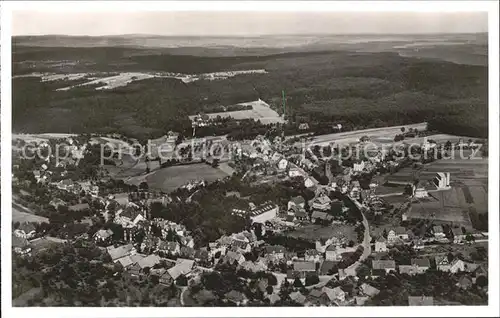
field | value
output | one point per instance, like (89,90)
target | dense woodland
(359,90)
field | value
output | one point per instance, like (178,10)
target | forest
(358,90)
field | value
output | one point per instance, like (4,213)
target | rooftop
(304,266)
(420,300)
(383,264)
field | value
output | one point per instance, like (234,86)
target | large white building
(264,213)
(442,180)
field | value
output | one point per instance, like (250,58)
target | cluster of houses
(469,271)
(320,208)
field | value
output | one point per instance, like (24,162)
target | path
(367,249)
(389,194)
(183,289)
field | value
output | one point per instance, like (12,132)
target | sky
(244,23)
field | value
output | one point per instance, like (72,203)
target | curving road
(367,249)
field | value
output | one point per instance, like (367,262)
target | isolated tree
(181,281)
(469,238)
(450,257)
(408,190)
(215,163)
(311,280)
(269,289)
(144,186)
(482,281)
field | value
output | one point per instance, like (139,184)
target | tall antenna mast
(284,103)
(284,114)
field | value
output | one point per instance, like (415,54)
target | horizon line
(244,35)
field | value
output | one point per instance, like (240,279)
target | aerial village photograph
(232,159)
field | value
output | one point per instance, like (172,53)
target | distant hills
(457,48)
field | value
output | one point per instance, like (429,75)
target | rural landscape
(298,170)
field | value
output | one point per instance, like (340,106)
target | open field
(260,111)
(41,137)
(171,178)
(106,81)
(469,189)
(473,172)
(373,133)
(314,232)
(446,206)
(20,216)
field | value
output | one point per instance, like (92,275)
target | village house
(417,266)
(292,173)
(318,297)
(335,294)
(201,255)
(458,235)
(381,245)
(465,282)
(420,301)
(309,183)
(296,214)
(171,248)
(120,251)
(298,297)
(67,185)
(385,265)
(182,267)
(25,230)
(304,267)
(317,216)
(397,235)
(254,267)
(282,164)
(149,261)
(360,300)
(236,297)
(368,290)
(128,260)
(166,279)
(326,267)
(233,257)
(334,252)
(273,298)
(303,126)
(291,275)
(79,207)
(56,202)
(456,265)
(421,264)
(358,166)
(103,236)
(438,232)
(297,201)
(276,250)
(187,252)
(321,203)
(135,270)
(345,273)
(313,255)
(442,263)
(20,245)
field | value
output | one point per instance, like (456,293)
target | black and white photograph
(165,157)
